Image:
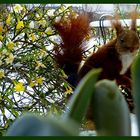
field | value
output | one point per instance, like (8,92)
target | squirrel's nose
(131,49)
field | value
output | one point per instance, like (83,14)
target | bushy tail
(68,55)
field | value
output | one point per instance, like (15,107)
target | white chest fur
(127,59)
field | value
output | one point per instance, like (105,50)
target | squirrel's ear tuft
(116,24)
(133,16)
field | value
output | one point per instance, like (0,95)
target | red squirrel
(115,57)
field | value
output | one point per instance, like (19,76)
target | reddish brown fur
(106,58)
(72,32)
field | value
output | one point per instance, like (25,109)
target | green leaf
(34,125)
(110,111)
(79,103)
(136,86)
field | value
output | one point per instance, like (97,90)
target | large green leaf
(110,111)
(136,86)
(79,103)
(34,125)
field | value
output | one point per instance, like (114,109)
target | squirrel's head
(127,39)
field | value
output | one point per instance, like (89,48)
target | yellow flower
(63,8)
(8,20)
(1,29)
(68,90)
(24,9)
(37,16)
(0,62)
(49,31)
(1,37)
(2,74)
(39,64)
(74,14)
(19,87)
(39,80)
(10,59)
(33,37)
(64,75)
(42,22)
(20,24)
(51,12)
(5,52)
(10,45)
(18,8)
(32,83)
(43,52)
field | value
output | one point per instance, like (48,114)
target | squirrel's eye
(122,40)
